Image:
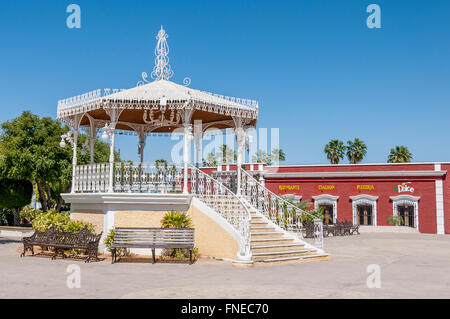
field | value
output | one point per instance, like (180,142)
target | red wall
(446,198)
(383,187)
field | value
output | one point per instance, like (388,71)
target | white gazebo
(151,108)
(126,194)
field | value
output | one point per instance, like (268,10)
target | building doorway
(328,214)
(406,212)
(365,215)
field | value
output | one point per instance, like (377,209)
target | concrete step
(282,260)
(273,235)
(258,222)
(257,229)
(276,247)
(282,254)
(257,218)
(270,241)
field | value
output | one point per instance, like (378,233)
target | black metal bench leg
(113,255)
(190,257)
(153,256)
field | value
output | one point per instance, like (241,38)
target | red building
(368,194)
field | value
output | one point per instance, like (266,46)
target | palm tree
(262,157)
(278,155)
(210,161)
(399,154)
(356,150)
(335,150)
(227,155)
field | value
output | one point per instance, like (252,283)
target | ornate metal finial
(162,69)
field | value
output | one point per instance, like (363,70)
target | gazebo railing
(224,202)
(147,177)
(129,177)
(92,178)
(281,212)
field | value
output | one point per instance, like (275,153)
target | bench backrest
(154,236)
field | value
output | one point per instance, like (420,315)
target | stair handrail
(206,188)
(270,208)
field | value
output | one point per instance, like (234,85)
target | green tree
(29,148)
(399,154)
(15,194)
(356,150)
(335,150)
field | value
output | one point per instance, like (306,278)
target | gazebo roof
(161,100)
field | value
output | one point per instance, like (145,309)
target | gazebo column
(186,116)
(186,151)
(111,157)
(142,139)
(110,132)
(240,141)
(92,142)
(76,127)
(74,157)
(198,135)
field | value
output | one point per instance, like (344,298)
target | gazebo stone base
(214,237)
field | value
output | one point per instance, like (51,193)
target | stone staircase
(271,245)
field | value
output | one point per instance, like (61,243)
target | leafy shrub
(28,214)
(176,219)
(109,240)
(179,253)
(44,221)
(6,217)
(309,218)
(395,220)
(61,221)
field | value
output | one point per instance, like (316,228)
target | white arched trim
(407,200)
(326,199)
(364,199)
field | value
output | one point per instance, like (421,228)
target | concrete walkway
(411,266)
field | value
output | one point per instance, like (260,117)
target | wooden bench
(61,241)
(153,238)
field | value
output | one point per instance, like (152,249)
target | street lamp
(108,131)
(66,137)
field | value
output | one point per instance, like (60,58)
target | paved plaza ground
(412,266)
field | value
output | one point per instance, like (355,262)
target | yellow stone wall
(138,218)
(96,217)
(210,238)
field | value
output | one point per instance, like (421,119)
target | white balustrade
(281,212)
(222,200)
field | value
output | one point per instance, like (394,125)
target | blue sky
(316,69)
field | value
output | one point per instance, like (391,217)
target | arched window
(407,207)
(329,203)
(364,210)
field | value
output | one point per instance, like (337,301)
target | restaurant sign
(326,187)
(404,187)
(288,187)
(367,187)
